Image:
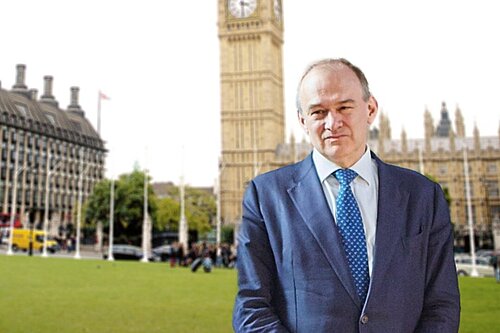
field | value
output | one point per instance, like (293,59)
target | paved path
(86,252)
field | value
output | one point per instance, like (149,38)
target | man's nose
(333,120)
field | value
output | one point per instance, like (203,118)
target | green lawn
(55,295)
(480,299)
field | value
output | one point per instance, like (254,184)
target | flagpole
(99,113)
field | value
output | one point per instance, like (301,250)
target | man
(342,242)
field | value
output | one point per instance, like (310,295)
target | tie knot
(345,176)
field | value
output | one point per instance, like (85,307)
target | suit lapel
(309,199)
(392,205)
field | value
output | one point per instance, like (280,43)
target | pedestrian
(496,267)
(341,241)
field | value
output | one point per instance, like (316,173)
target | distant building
(441,155)
(40,141)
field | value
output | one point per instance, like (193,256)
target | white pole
(145,220)
(48,173)
(474,271)
(13,204)
(183,226)
(99,113)
(46,212)
(420,160)
(183,234)
(79,207)
(111,219)
(219,222)
(219,217)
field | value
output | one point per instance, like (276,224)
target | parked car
(128,252)
(464,266)
(163,252)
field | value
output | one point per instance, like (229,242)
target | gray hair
(335,61)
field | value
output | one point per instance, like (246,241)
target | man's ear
(372,109)
(302,121)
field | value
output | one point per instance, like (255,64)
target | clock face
(241,8)
(277,10)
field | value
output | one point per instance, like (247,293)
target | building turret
(459,123)
(444,127)
(404,142)
(384,131)
(428,128)
(452,141)
(477,142)
(293,145)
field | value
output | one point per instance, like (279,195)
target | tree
(446,191)
(200,210)
(128,208)
(168,214)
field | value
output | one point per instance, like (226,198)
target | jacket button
(364,319)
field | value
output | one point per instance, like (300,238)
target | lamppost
(111,219)
(183,223)
(145,225)
(79,205)
(18,170)
(48,173)
(474,271)
(219,217)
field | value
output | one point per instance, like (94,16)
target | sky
(158,61)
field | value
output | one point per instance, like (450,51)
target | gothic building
(252,109)
(252,123)
(442,154)
(49,156)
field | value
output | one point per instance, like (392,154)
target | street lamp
(111,219)
(183,224)
(79,204)
(474,271)
(18,170)
(219,218)
(48,173)
(145,225)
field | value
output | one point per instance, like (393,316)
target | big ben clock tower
(252,111)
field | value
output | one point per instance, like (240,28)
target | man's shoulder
(284,173)
(405,175)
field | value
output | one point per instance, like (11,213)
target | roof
(438,143)
(18,110)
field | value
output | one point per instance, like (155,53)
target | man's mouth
(333,137)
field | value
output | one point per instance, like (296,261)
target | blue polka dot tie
(350,226)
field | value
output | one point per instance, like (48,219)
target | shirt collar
(363,167)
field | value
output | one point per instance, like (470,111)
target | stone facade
(252,110)
(253,142)
(441,155)
(39,141)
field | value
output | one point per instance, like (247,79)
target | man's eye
(317,112)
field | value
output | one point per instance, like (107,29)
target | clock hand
(243,4)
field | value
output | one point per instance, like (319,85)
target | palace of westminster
(48,154)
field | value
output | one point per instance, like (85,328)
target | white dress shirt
(364,187)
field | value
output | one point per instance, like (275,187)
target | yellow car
(21,240)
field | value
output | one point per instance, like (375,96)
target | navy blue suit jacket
(293,274)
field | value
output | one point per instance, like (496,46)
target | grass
(65,295)
(480,300)
(57,295)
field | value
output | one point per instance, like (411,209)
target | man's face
(334,114)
